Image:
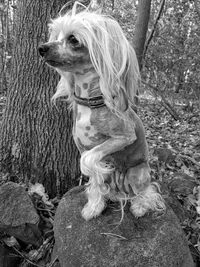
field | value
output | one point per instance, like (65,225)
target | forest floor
(174,147)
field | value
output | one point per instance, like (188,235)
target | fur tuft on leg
(149,199)
(96,199)
(91,164)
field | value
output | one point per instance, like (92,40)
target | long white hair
(111,54)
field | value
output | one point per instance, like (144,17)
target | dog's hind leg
(147,196)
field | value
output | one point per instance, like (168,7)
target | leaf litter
(174,148)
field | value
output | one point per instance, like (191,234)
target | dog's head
(81,40)
(66,50)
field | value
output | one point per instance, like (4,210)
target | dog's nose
(43,49)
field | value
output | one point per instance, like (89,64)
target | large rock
(150,241)
(18,216)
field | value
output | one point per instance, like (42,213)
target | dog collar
(92,102)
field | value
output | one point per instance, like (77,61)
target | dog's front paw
(90,211)
(138,209)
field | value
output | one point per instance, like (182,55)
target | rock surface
(18,216)
(150,241)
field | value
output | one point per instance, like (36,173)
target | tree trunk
(141,27)
(150,36)
(3,20)
(36,137)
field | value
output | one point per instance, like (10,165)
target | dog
(100,77)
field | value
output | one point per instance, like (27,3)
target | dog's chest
(85,134)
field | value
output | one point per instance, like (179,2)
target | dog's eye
(72,39)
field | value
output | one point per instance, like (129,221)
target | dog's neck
(87,84)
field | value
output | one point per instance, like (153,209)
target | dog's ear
(65,87)
(130,83)
(131,77)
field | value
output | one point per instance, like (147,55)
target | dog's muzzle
(48,51)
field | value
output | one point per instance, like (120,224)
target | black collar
(92,102)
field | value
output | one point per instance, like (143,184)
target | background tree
(36,141)
(6,32)
(141,27)
(171,63)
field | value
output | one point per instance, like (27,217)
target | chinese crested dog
(100,76)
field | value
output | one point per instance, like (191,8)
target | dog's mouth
(54,63)
(65,65)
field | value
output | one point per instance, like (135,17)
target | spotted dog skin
(93,127)
(124,145)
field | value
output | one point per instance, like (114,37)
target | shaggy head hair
(80,39)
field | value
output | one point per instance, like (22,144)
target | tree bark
(141,27)
(36,137)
